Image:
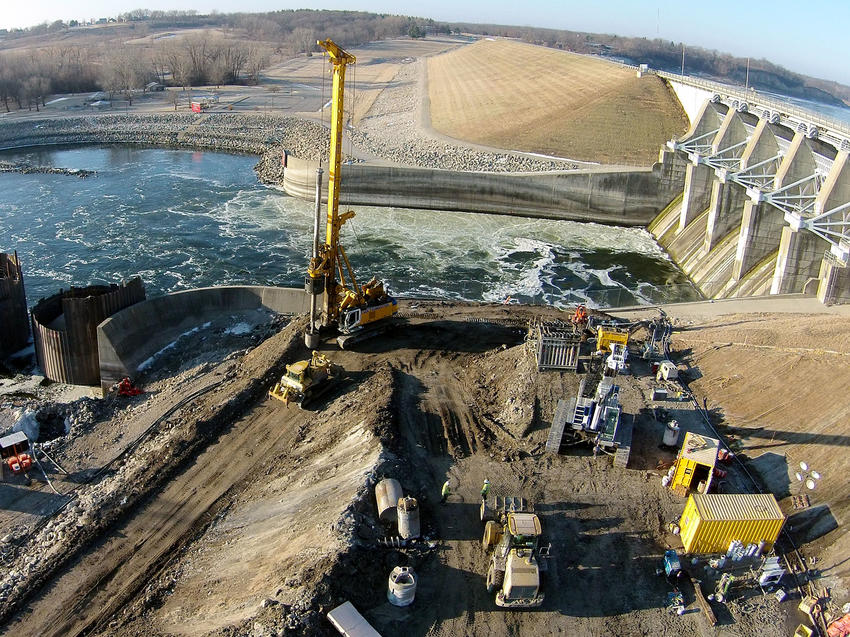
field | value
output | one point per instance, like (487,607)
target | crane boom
(340,59)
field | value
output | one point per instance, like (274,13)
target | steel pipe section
(14,319)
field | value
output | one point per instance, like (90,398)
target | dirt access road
(270,521)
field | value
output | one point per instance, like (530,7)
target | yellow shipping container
(711,521)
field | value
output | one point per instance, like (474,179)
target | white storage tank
(671,434)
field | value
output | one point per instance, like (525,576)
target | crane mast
(346,305)
(329,254)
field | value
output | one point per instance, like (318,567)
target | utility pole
(683,58)
(747,85)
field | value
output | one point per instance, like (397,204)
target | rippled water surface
(185,219)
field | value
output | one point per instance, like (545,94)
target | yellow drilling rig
(356,311)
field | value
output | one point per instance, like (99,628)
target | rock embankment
(28,169)
(227,132)
(390,133)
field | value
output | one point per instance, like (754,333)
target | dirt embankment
(255,518)
(519,96)
(777,386)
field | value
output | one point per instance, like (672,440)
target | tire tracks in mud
(82,599)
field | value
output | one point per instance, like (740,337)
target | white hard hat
(486,481)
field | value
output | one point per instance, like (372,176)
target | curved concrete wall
(627,197)
(133,335)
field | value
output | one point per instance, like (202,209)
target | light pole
(807,477)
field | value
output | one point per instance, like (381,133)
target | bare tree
(122,72)
(196,51)
(234,58)
(258,59)
(174,58)
(7,81)
(303,39)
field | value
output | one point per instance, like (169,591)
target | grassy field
(523,97)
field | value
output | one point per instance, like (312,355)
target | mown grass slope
(518,96)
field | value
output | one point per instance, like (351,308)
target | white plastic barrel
(671,434)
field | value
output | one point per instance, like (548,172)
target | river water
(184,219)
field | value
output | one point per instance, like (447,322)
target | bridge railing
(753,96)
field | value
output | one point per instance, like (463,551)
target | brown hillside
(523,97)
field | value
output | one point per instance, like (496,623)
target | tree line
(230,49)
(234,48)
(666,55)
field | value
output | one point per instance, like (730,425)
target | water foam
(142,214)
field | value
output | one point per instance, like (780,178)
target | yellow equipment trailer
(710,522)
(694,468)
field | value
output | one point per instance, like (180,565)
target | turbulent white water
(184,219)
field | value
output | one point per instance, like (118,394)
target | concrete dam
(754,199)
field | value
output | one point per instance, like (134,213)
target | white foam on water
(189,231)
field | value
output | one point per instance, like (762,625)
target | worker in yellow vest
(445,492)
(485,489)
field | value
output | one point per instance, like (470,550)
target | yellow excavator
(356,311)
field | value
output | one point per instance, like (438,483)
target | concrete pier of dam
(765,209)
(623,197)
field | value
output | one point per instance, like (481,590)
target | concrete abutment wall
(626,197)
(131,336)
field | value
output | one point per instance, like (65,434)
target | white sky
(805,37)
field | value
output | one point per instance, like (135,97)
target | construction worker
(485,489)
(446,492)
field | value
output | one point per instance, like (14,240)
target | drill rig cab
(356,312)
